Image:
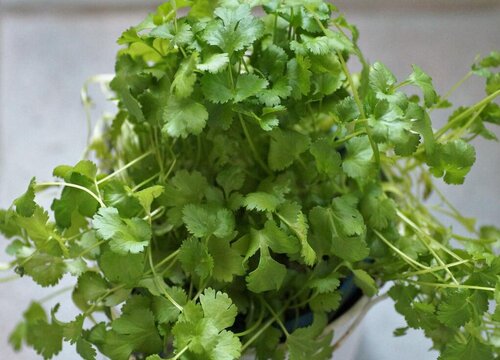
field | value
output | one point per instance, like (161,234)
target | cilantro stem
(349,137)
(263,328)
(454,286)
(86,251)
(141,184)
(179,354)
(436,268)
(64,184)
(165,260)
(452,90)
(355,94)
(405,257)
(254,326)
(466,113)
(276,317)
(252,146)
(459,132)
(158,285)
(480,240)
(420,231)
(125,167)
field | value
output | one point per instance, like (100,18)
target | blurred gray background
(48,48)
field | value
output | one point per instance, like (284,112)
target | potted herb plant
(246,182)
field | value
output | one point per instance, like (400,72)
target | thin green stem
(125,167)
(158,285)
(252,146)
(276,317)
(179,354)
(263,328)
(435,268)
(452,90)
(349,137)
(141,184)
(466,113)
(355,94)
(415,264)
(453,286)
(63,184)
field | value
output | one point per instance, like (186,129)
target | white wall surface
(45,57)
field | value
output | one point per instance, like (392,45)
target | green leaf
(214,63)
(323,45)
(454,311)
(85,350)
(285,148)
(347,109)
(473,349)
(195,259)
(328,160)
(381,78)
(227,261)
(342,225)
(344,210)
(365,282)
(275,238)
(45,338)
(85,168)
(116,194)
(137,326)
(231,179)
(38,228)
(419,78)
(359,163)
(327,284)
(377,208)
(216,89)
(259,280)
(185,78)
(45,269)
(122,269)
(279,91)
(326,302)
(91,286)
(261,201)
(219,308)
(452,159)
(234,29)
(164,310)
(178,35)
(203,221)
(299,76)
(183,117)
(147,196)
(25,204)
(249,85)
(309,343)
(291,215)
(228,347)
(124,235)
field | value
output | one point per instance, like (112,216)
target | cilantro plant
(246,175)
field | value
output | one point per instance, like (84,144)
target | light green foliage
(124,235)
(247,178)
(25,204)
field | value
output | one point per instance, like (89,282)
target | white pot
(344,329)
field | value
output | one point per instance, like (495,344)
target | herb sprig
(245,176)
